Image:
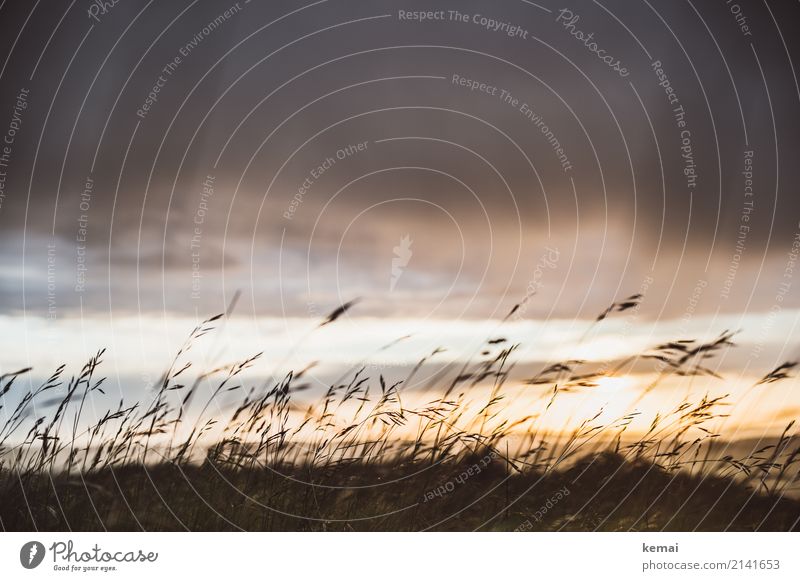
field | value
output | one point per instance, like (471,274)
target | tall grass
(359,458)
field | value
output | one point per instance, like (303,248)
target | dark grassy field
(603,493)
(345,462)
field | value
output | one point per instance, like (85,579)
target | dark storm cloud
(477,184)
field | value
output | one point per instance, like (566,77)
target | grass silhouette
(359,459)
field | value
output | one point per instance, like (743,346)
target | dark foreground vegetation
(600,493)
(360,459)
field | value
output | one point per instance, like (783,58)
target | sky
(442,162)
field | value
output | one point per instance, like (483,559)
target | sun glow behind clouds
(139,349)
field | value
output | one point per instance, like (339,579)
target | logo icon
(31,554)
(402,254)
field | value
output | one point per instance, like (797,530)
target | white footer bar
(430,556)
